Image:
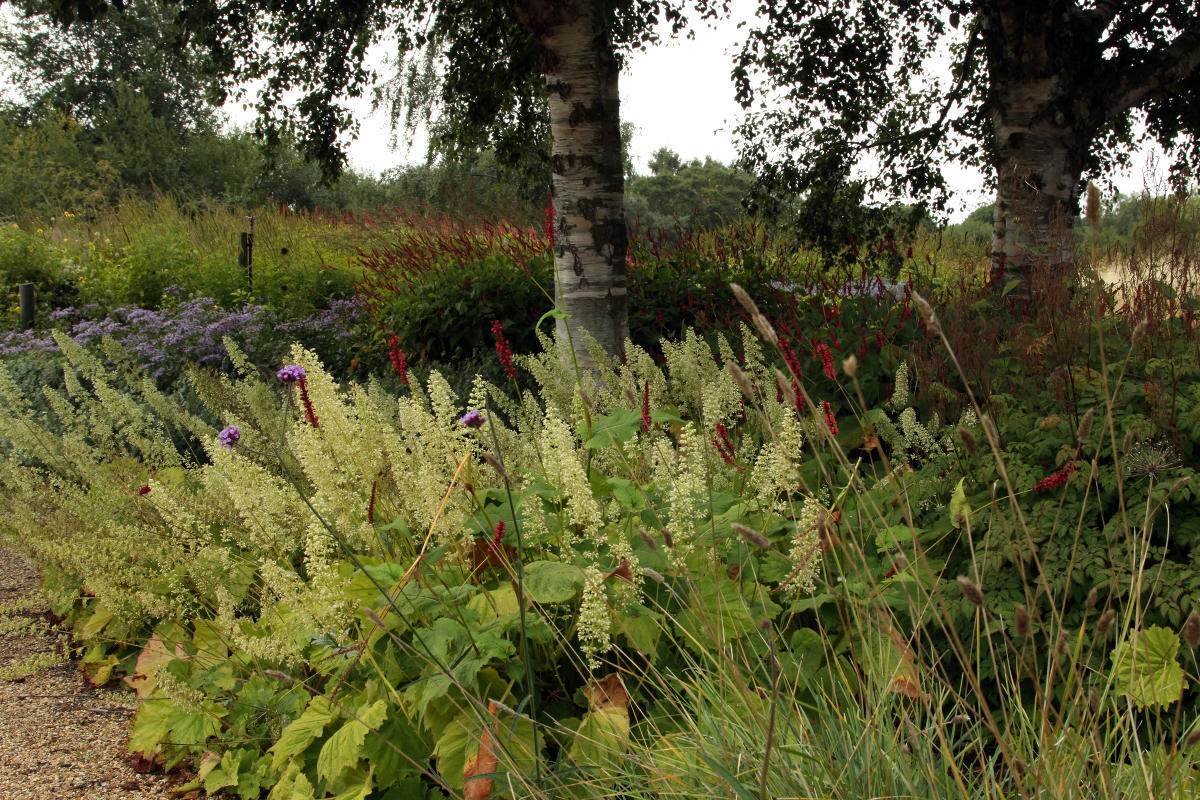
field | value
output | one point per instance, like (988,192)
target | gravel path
(60,739)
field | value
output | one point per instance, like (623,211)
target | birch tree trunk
(1043,119)
(588,180)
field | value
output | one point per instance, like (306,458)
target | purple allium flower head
(229,436)
(473,419)
(291,373)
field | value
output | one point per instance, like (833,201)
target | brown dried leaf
(483,762)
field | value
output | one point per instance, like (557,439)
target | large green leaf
(301,733)
(552,581)
(618,426)
(343,750)
(1145,669)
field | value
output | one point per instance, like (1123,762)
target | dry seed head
(1085,425)
(587,401)
(653,575)
(1093,204)
(989,428)
(744,298)
(1062,646)
(1191,629)
(1138,332)
(968,439)
(970,590)
(1128,443)
(741,379)
(765,329)
(1106,621)
(785,386)
(752,536)
(1019,764)
(1022,621)
(1179,484)
(647,538)
(494,463)
(850,365)
(1092,597)
(1192,738)
(927,312)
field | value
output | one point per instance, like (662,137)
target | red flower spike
(826,356)
(830,420)
(399,362)
(647,422)
(503,350)
(309,413)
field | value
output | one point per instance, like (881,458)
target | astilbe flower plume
(503,350)
(397,357)
(551,234)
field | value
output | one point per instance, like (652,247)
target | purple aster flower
(473,419)
(291,373)
(229,436)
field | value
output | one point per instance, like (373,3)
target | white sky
(680,95)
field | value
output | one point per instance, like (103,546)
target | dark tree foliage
(1038,94)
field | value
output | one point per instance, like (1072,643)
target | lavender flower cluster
(163,341)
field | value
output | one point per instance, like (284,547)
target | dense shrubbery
(721,567)
(676,579)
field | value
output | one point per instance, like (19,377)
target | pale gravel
(60,739)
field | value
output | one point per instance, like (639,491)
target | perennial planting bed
(60,739)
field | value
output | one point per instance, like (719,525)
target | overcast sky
(680,95)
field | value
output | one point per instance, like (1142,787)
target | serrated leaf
(345,747)
(552,581)
(617,427)
(603,736)
(301,733)
(1145,668)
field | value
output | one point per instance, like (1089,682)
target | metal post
(26,299)
(250,256)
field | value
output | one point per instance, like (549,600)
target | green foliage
(696,195)
(559,602)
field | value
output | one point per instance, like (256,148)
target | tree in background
(1040,93)
(498,67)
(686,195)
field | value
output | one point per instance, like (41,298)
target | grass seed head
(1191,629)
(752,536)
(970,590)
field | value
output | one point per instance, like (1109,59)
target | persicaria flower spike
(292,373)
(229,436)
(1057,479)
(503,350)
(826,356)
(647,421)
(830,420)
(473,419)
(397,357)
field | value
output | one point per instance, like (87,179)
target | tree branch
(1157,72)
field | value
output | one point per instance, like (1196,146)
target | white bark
(588,183)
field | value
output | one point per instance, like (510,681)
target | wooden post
(246,255)
(25,298)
